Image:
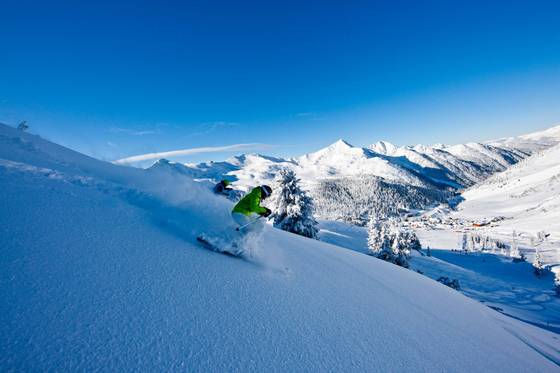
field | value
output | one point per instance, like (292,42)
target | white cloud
(183,152)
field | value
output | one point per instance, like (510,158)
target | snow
(383,147)
(492,280)
(343,159)
(100,270)
(420,165)
(527,195)
(532,142)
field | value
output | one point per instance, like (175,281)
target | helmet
(266,191)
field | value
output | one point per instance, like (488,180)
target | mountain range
(407,176)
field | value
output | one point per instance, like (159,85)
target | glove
(266,213)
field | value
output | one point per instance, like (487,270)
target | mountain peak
(341,143)
(383,147)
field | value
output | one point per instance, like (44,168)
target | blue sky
(117,79)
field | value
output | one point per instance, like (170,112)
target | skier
(248,210)
(222,187)
(246,214)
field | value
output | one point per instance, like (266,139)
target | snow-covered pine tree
(503,248)
(538,265)
(404,241)
(492,247)
(292,207)
(379,238)
(464,244)
(351,199)
(514,251)
(390,241)
(557,283)
(472,244)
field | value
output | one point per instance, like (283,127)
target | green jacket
(250,203)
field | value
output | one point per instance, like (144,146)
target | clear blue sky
(116,79)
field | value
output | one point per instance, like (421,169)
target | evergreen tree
(472,244)
(538,265)
(390,241)
(557,283)
(493,247)
(464,244)
(292,207)
(352,199)
(404,241)
(514,251)
(379,238)
(502,247)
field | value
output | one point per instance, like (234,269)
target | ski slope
(527,196)
(100,271)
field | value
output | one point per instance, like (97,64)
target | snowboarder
(248,210)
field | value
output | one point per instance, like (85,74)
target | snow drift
(100,271)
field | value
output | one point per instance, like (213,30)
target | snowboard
(214,245)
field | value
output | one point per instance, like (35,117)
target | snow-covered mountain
(436,166)
(382,176)
(459,165)
(337,160)
(532,142)
(342,159)
(527,195)
(100,269)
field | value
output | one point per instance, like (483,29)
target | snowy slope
(491,279)
(532,142)
(528,196)
(100,270)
